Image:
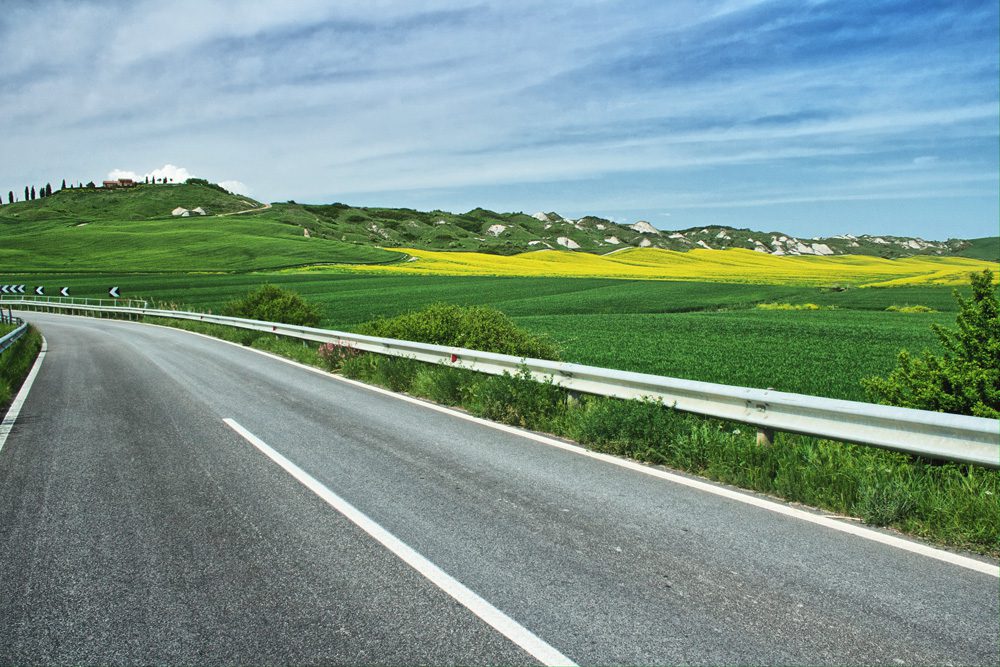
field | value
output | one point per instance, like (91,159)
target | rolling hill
(138,230)
(133,230)
(481,230)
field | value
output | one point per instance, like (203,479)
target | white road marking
(505,625)
(22,396)
(832,523)
(837,524)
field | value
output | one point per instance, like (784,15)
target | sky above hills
(812,118)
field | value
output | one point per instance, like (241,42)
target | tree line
(30,193)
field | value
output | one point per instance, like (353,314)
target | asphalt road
(137,527)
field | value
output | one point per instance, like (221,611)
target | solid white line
(738,496)
(22,396)
(707,487)
(504,624)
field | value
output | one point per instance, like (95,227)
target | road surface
(167,498)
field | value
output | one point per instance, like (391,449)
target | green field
(703,331)
(92,239)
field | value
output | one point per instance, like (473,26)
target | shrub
(966,378)
(474,327)
(207,184)
(441,384)
(639,429)
(332,356)
(517,400)
(910,309)
(273,304)
(393,373)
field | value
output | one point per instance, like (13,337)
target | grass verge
(953,505)
(15,364)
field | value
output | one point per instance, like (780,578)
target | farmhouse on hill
(120,183)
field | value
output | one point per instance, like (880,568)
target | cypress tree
(32,193)
(64,185)
(10,196)
(48,189)
(25,193)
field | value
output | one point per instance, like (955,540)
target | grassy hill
(143,202)
(987,248)
(132,230)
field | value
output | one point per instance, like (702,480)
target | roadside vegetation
(965,377)
(273,304)
(15,364)
(952,504)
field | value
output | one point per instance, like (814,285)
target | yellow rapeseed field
(735,265)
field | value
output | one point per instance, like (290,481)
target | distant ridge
(478,230)
(482,230)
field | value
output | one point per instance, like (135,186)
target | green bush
(642,430)
(273,304)
(441,384)
(963,380)
(910,309)
(393,373)
(473,327)
(207,184)
(517,400)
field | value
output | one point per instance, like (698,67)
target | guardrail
(931,434)
(87,301)
(11,337)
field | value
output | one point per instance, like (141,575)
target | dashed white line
(504,624)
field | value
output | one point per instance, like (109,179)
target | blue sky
(812,118)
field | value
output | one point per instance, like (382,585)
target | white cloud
(177,175)
(447,97)
(115,174)
(168,171)
(236,187)
(171,172)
